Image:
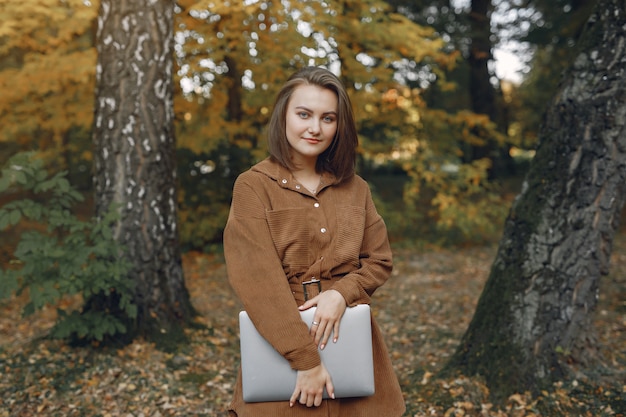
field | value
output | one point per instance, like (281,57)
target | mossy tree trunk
(134,157)
(534,317)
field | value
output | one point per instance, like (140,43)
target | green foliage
(206,181)
(231,58)
(60,255)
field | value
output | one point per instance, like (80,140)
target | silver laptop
(267,376)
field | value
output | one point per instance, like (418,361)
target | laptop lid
(267,376)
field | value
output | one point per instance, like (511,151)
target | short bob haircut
(339,158)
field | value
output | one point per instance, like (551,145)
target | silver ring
(315,323)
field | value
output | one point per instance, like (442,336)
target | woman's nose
(314,126)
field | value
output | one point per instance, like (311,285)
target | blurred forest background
(445,140)
(450,98)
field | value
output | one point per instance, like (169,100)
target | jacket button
(323,230)
(284,181)
(316,205)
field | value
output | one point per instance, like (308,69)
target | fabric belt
(313,287)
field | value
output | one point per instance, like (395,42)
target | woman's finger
(294,396)
(318,399)
(309,303)
(330,388)
(336,331)
(316,325)
(328,330)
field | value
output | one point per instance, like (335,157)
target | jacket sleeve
(256,275)
(375,259)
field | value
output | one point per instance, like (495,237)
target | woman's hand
(310,386)
(330,308)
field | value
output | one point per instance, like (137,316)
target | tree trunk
(482,92)
(135,156)
(234,106)
(534,316)
(482,95)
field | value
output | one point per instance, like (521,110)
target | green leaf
(19,177)
(119,327)
(98,332)
(4,219)
(131,310)
(8,283)
(5,182)
(41,175)
(32,210)
(14,217)
(29,309)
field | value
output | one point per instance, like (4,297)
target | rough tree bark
(134,156)
(534,318)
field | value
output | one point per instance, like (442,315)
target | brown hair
(340,157)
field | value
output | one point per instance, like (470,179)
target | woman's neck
(309,178)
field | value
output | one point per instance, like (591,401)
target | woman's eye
(329,119)
(303,115)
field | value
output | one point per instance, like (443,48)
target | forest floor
(423,311)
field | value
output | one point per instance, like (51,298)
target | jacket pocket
(289,230)
(350,232)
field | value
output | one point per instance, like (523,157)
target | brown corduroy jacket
(277,236)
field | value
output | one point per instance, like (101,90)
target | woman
(300,215)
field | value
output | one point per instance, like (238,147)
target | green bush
(59,255)
(205,189)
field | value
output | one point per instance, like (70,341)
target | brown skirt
(387,400)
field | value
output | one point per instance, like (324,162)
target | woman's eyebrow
(311,111)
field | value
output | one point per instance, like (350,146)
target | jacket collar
(283,176)
(272,169)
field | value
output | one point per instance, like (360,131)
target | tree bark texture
(135,153)
(534,316)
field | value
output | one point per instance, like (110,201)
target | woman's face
(311,122)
